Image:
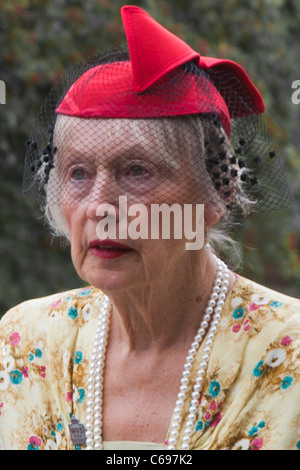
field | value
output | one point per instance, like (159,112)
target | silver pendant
(77,431)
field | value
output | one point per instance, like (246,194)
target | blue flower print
(78,357)
(32,447)
(73,313)
(60,426)
(16,377)
(81,395)
(38,353)
(199,426)
(298,445)
(84,292)
(259,369)
(214,389)
(238,313)
(253,431)
(276,304)
(286,383)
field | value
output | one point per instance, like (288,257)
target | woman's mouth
(108,249)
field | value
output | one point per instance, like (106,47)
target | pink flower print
(236,328)
(1,406)
(56,303)
(207,416)
(25,371)
(252,306)
(214,423)
(220,405)
(34,443)
(43,372)
(286,341)
(35,440)
(247,325)
(69,397)
(213,405)
(256,444)
(14,339)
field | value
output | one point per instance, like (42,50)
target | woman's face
(101,161)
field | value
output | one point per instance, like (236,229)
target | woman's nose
(103,199)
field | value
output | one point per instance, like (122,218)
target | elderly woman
(168,348)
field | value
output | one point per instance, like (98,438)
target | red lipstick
(108,249)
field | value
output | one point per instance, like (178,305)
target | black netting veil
(152,147)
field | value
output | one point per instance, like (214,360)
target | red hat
(136,86)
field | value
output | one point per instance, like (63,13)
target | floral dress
(250,398)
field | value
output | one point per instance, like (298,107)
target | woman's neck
(165,313)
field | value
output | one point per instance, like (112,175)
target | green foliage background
(39,39)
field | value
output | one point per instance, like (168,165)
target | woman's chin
(109,280)
(108,273)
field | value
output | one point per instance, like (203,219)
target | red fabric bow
(133,89)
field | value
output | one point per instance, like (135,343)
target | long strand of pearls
(96,373)
(215,305)
(95,381)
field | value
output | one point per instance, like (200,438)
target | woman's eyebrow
(153,154)
(120,153)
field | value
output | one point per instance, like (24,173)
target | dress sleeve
(267,406)
(250,395)
(29,417)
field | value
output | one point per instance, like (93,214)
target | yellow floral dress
(251,394)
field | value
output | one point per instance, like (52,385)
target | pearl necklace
(96,373)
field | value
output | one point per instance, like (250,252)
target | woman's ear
(212,214)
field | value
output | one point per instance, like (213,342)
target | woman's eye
(78,174)
(137,170)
